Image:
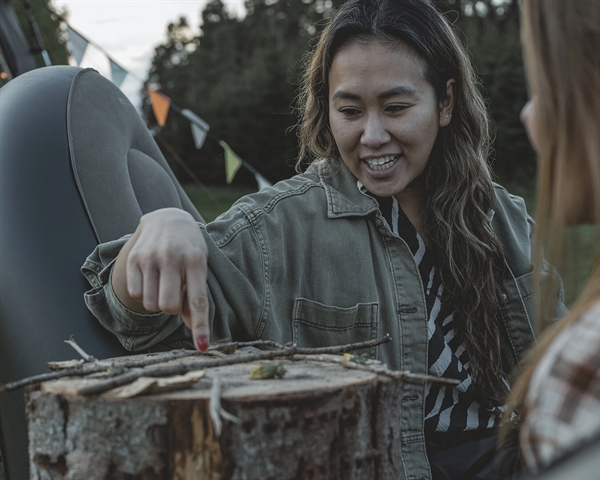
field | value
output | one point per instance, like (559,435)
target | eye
(350,112)
(395,108)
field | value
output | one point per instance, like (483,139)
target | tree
(242,75)
(49,22)
(490,30)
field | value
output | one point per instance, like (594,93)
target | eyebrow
(401,91)
(392,92)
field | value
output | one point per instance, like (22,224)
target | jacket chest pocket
(318,325)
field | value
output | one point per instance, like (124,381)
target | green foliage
(491,31)
(241,76)
(581,247)
(49,23)
(216,200)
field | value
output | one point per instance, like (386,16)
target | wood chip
(149,385)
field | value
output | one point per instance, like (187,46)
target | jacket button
(503,297)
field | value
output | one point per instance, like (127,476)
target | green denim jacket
(312,260)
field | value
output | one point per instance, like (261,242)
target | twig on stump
(89,368)
(377,369)
(180,369)
(71,341)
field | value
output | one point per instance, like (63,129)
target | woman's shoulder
(509,204)
(562,401)
(580,340)
(571,364)
(294,188)
(591,318)
(298,192)
(512,224)
(303,189)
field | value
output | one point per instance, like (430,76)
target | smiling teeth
(381,163)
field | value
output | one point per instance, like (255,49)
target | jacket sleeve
(237,292)
(550,281)
(136,331)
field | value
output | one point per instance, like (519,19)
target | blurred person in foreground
(556,400)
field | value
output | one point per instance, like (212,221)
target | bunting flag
(81,47)
(78,44)
(118,73)
(262,181)
(232,162)
(199,127)
(160,106)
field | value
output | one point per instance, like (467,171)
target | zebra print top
(447,408)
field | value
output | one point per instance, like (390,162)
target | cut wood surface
(320,421)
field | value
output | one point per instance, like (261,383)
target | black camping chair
(77,167)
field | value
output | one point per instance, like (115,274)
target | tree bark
(320,421)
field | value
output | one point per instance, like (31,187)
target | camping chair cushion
(78,166)
(118,154)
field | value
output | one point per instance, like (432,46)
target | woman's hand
(163,268)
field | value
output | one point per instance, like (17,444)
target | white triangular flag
(78,44)
(262,181)
(199,127)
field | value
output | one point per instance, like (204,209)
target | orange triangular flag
(160,105)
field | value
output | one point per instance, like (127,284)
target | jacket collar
(344,198)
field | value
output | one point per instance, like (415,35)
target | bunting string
(161,104)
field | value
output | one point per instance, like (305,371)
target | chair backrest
(77,166)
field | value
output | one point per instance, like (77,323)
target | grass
(580,245)
(581,241)
(212,200)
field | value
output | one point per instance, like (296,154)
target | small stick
(253,343)
(71,341)
(401,374)
(377,369)
(214,407)
(214,403)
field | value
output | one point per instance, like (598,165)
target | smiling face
(384,116)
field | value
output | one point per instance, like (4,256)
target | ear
(448,104)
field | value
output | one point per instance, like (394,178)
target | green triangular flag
(232,162)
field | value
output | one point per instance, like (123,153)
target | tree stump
(321,421)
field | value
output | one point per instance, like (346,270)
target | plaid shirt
(563,402)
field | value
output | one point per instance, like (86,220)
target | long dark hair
(459,189)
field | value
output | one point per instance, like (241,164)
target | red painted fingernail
(202,343)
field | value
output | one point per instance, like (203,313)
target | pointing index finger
(196,306)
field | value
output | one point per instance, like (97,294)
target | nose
(528,118)
(526,113)
(375,132)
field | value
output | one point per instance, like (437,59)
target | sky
(129,30)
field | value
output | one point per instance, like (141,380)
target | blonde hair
(561,40)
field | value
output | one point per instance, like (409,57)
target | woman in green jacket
(395,227)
